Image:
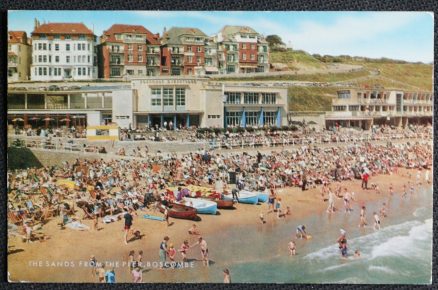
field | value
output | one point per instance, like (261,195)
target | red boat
(180,211)
(223,204)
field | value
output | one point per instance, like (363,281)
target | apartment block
(183,51)
(127,51)
(19,56)
(364,108)
(241,49)
(63,51)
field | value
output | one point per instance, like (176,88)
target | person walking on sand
(278,207)
(194,230)
(128,224)
(271,200)
(405,190)
(292,247)
(166,215)
(110,276)
(426,176)
(262,218)
(204,250)
(137,275)
(391,189)
(227,277)
(365,177)
(363,221)
(347,198)
(331,201)
(376,221)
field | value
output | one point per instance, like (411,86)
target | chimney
(35,23)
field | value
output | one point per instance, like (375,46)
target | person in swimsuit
(301,232)
(342,242)
(171,253)
(227,277)
(163,251)
(292,247)
(128,224)
(271,200)
(363,221)
(194,230)
(204,250)
(376,221)
(183,250)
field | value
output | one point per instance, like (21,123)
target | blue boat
(263,197)
(245,197)
(202,206)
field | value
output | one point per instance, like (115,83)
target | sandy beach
(65,256)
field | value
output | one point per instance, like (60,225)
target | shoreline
(107,244)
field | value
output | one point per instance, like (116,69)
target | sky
(398,35)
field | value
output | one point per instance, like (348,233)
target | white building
(63,51)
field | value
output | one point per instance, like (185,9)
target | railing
(117,50)
(117,62)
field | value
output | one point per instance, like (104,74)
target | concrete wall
(123,108)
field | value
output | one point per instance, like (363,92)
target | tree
(274,41)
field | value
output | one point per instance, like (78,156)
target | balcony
(117,62)
(12,64)
(153,51)
(153,63)
(177,51)
(117,50)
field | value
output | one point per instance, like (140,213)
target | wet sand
(64,257)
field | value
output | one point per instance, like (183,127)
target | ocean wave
(405,245)
(382,269)
(363,242)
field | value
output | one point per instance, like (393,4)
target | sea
(399,253)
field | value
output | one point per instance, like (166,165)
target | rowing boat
(202,206)
(180,211)
(263,197)
(245,197)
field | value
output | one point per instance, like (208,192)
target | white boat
(245,196)
(202,206)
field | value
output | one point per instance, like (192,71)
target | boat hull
(180,211)
(203,206)
(224,203)
(263,197)
(245,197)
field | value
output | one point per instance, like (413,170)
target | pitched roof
(124,28)
(173,35)
(229,30)
(62,28)
(17,37)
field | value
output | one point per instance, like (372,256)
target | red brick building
(128,50)
(183,51)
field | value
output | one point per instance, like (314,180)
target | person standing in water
(204,250)
(227,277)
(342,242)
(292,248)
(363,221)
(301,232)
(376,221)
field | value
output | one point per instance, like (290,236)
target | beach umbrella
(48,119)
(34,119)
(64,120)
(17,119)
(312,123)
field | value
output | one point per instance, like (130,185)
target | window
(115,71)
(57,36)
(252,118)
(244,56)
(44,46)
(231,58)
(199,49)
(189,48)
(129,46)
(50,58)
(83,58)
(88,46)
(68,37)
(81,37)
(198,60)
(67,47)
(140,72)
(251,98)
(167,97)
(231,68)
(130,72)
(140,58)
(88,59)
(83,46)
(89,71)
(156,97)
(79,71)
(233,118)
(84,71)
(79,46)
(339,108)
(40,46)
(233,98)
(253,47)
(344,95)
(40,58)
(252,56)
(56,46)
(269,118)
(189,59)
(269,98)
(130,57)
(44,58)
(40,71)
(208,61)
(353,108)
(180,95)
(50,46)
(243,45)
(67,59)
(44,71)
(140,47)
